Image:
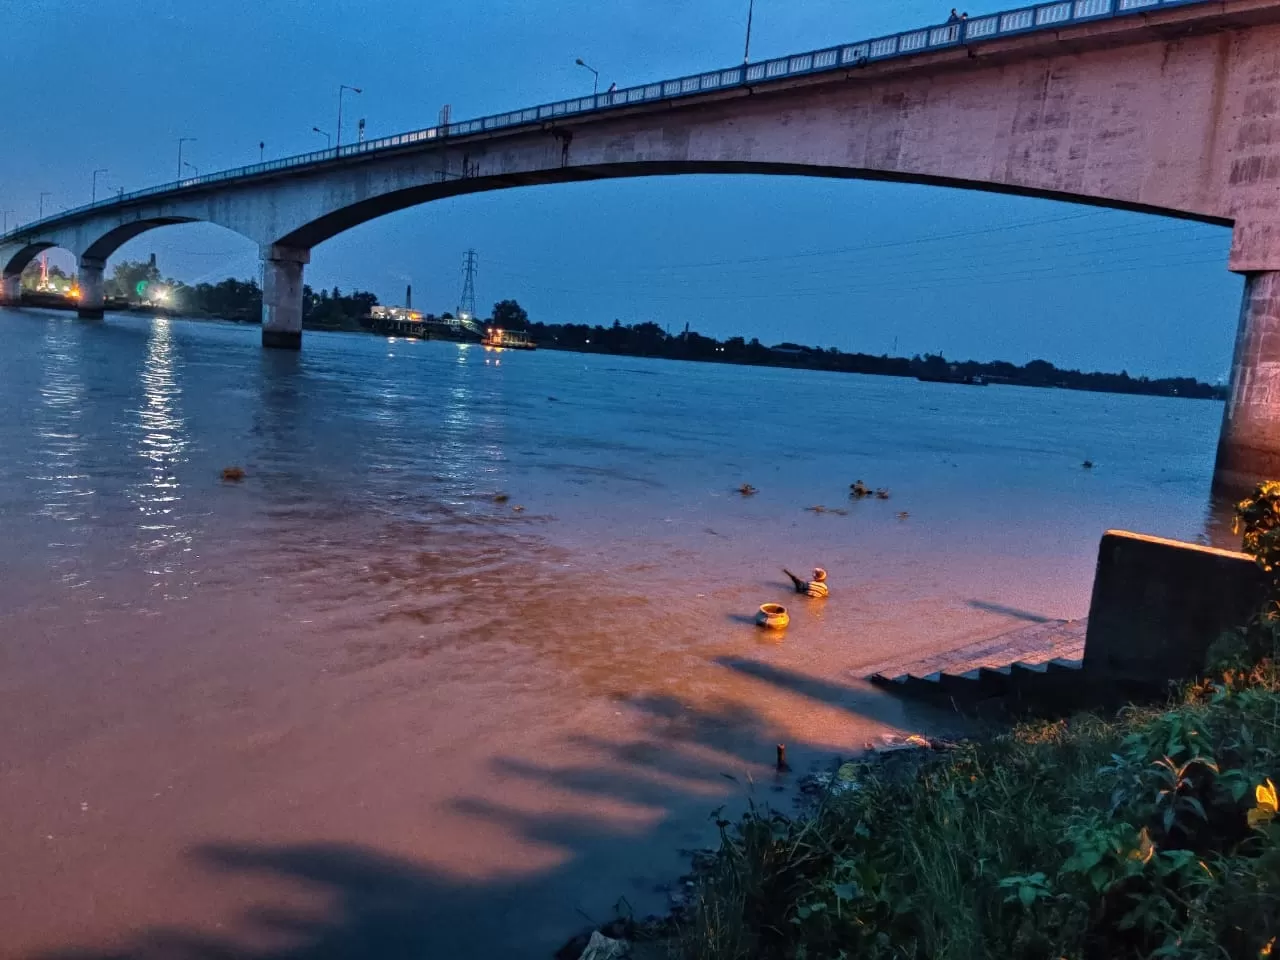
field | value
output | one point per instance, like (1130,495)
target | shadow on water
(334,901)
(1000,608)
(1219,520)
(375,906)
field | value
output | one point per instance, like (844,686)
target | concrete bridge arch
(90,242)
(1174,110)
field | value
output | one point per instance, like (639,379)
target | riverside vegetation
(1152,832)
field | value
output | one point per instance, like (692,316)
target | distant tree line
(135,282)
(58,280)
(650,340)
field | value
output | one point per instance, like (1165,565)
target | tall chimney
(408,297)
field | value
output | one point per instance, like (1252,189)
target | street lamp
(595,76)
(4,215)
(746,53)
(94,198)
(262,150)
(343,88)
(181,141)
(195,171)
(43,194)
(327,139)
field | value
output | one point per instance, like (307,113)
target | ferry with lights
(496,339)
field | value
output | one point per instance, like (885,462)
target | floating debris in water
(817,509)
(1088,464)
(518,509)
(839,511)
(773,616)
(858,490)
(501,497)
(781,764)
(902,514)
(747,490)
(882,493)
(233,474)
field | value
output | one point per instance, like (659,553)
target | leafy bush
(1149,835)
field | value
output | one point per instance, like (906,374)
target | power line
(925,267)
(864,247)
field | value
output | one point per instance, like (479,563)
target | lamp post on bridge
(43,194)
(262,150)
(195,171)
(181,141)
(94,196)
(324,133)
(343,88)
(595,76)
(4,215)
(746,53)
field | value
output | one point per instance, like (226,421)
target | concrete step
(1065,665)
(1049,682)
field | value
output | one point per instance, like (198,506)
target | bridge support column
(11,290)
(91,288)
(1249,445)
(282,297)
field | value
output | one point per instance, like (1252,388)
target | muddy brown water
(353,706)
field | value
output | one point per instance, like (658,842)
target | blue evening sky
(861,266)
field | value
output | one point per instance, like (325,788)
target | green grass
(1136,835)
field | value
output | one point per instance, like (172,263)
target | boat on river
(963,379)
(496,339)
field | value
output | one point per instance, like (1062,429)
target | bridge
(1170,107)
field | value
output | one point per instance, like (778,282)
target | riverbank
(931,368)
(1147,833)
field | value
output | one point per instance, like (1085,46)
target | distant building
(379,312)
(397,320)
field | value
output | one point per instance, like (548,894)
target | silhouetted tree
(126,277)
(509,315)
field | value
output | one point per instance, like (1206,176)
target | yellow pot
(774,616)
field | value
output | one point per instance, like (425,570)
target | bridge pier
(11,290)
(91,288)
(282,297)
(1249,445)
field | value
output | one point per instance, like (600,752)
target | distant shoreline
(649,340)
(996,373)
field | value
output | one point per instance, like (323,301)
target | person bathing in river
(816,588)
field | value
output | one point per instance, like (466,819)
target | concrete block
(1159,604)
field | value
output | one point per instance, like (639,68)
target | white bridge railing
(1042,16)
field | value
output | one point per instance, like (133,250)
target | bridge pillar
(1249,445)
(11,290)
(282,297)
(91,288)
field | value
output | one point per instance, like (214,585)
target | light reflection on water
(57,461)
(158,437)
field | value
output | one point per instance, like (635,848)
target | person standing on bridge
(955,17)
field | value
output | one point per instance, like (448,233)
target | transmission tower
(468,306)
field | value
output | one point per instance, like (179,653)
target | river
(353,705)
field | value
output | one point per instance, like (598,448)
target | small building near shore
(401,321)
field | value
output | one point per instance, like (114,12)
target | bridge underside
(339,221)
